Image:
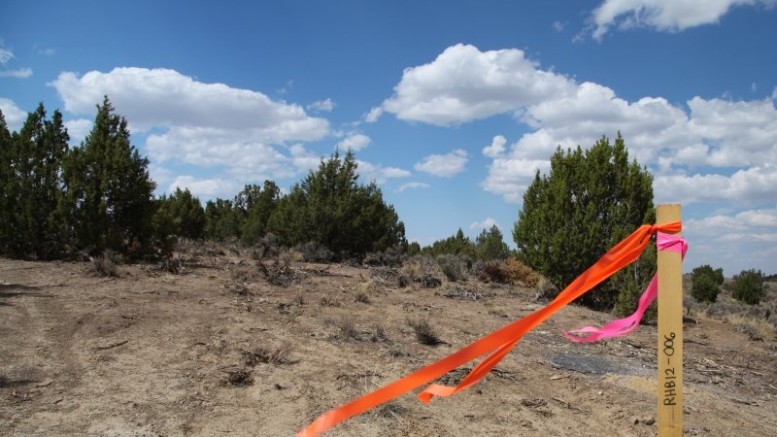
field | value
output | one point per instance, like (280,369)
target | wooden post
(670,332)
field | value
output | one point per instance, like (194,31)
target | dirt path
(218,350)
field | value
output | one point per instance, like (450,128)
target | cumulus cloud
(14,116)
(163,97)
(744,133)
(750,186)
(487,223)
(78,129)
(465,84)
(496,148)
(378,173)
(322,106)
(662,15)
(202,124)
(745,240)
(205,188)
(447,165)
(710,137)
(412,186)
(355,142)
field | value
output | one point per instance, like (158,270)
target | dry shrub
(105,265)
(454,267)
(510,271)
(239,377)
(327,301)
(421,266)
(269,355)
(392,257)
(279,272)
(315,253)
(346,328)
(379,333)
(390,410)
(464,294)
(362,297)
(424,332)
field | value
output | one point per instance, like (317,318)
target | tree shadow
(14,290)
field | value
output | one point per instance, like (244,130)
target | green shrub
(705,288)
(706,283)
(715,274)
(749,287)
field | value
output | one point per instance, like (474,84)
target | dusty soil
(218,350)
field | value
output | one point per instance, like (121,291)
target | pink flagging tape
(626,325)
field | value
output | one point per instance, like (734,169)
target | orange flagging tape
(498,343)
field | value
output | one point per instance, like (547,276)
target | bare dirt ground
(218,350)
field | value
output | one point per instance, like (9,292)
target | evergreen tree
(330,208)
(221,220)
(571,217)
(109,200)
(490,245)
(178,215)
(748,287)
(259,205)
(8,188)
(31,175)
(457,244)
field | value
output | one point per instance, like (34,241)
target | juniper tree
(32,186)
(259,206)
(108,200)
(490,245)
(178,215)
(8,188)
(589,201)
(329,207)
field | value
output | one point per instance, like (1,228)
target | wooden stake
(670,332)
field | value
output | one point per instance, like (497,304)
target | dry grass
(239,377)
(424,332)
(269,355)
(346,328)
(105,266)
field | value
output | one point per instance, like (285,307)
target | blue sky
(450,106)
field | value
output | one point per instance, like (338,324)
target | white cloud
(446,165)
(378,173)
(355,142)
(203,124)
(663,15)
(205,188)
(14,116)
(487,223)
(465,84)
(5,54)
(162,97)
(558,26)
(377,111)
(711,134)
(510,176)
(745,133)
(78,129)
(496,148)
(744,240)
(412,186)
(21,73)
(303,159)
(322,106)
(751,186)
